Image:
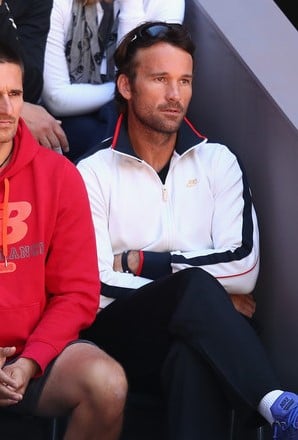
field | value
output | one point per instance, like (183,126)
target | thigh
(143,316)
(81,366)
(134,328)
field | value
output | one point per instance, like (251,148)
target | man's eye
(15,93)
(185,81)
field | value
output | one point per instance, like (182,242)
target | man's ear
(124,86)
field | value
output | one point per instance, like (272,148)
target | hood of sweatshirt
(25,148)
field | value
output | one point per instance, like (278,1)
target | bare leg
(91,386)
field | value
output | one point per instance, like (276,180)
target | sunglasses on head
(155,30)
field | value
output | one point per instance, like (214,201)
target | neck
(153,147)
(5,154)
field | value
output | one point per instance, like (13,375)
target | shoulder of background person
(21,9)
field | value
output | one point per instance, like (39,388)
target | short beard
(159,125)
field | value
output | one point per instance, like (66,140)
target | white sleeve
(98,194)
(60,96)
(134,12)
(234,257)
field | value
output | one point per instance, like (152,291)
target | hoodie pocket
(17,323)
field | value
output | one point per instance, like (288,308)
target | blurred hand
(244,304)
(14,379)
(6,352)
(45,128)
(8,384)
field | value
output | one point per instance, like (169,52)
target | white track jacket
(201,216)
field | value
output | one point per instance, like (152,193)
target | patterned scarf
(86,43)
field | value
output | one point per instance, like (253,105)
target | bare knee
(104,385)
(98,393)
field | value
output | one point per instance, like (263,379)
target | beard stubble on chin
(157,121)
(7,135)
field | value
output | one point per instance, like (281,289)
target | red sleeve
(71,275)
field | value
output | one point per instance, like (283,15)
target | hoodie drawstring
(5,220)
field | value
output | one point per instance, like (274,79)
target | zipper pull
(164,194)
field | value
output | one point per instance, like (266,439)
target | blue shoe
(285,414)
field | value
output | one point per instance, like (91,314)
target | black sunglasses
(155,30)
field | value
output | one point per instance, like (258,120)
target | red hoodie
(49,281)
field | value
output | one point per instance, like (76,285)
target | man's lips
(177,109)
(171,110)
(6,121)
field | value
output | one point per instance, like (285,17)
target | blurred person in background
(79,69)
(24,25)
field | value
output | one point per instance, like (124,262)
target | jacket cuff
(156,265)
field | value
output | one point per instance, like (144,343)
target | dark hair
(9,55)
(146,35)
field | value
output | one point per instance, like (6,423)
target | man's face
(11,101)
(160,94)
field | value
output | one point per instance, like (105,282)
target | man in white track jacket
(179,223)
(178,251)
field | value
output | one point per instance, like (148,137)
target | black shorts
(27,406)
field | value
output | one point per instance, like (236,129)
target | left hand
(45,128)
(18,375)
(244,304)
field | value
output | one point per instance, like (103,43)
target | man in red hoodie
(49,288)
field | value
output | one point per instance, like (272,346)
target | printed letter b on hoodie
(17,228)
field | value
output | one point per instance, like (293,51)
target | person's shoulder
(97,159)
(59,171)
(213,154)
(62,5)
(97,153)
(213,148)
(52,162)
(21,9)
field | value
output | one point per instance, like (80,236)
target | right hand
(244,304)
(45,128)
(8,383)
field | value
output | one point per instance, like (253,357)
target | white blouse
(60,96)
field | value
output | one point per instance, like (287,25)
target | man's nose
(173,92)
(5,104)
